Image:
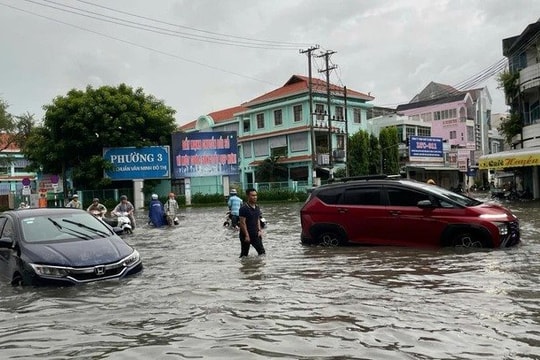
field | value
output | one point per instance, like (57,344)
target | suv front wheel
(329,235)
(467,237)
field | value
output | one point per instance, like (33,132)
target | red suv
(379,210)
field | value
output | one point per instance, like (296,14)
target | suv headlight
(48,270)
(132,259)
(503,228)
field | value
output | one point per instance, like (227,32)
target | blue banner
(423,146)
(204,154)
(132,163)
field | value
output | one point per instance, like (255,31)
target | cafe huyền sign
(510,161)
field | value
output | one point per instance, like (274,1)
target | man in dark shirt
(250,225)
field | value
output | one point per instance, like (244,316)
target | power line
(257,44)
(140,46)
(195,29)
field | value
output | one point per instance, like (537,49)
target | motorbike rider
(74,203)
(234,203)
(125,207)
(97,208)
(171,210)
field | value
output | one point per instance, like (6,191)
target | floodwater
(196,299)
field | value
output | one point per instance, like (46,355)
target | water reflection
(197,299)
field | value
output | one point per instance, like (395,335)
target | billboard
(133,163)
(423,146)
(204,154)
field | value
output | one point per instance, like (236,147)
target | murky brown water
(196,299)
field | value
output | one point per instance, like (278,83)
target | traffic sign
(26,181)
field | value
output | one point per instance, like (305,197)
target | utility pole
(311,118)
(326,55)
(346,133)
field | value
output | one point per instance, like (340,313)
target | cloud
(392,49)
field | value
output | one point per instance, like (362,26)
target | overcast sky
(199,56)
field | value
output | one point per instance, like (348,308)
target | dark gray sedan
(61,246)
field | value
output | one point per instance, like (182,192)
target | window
(298,142)
(470,133)
(362,196)
(278,120)
(279,151)
(427,116)
(260,121)
(405,197)
(357,116)
(410,131)
(261,147)
(319,110)
(247,125)
(339,113)
(247,150)
(330,196)
(297,110)
(340,142)
(424,131)
(445,114)
(453,134)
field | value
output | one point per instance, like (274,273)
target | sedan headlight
(132,259)
(49,270)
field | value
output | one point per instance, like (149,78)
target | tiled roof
(4,139)
(299,84)
(226,114)
(425,103)
(218,117)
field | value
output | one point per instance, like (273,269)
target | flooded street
(196,299)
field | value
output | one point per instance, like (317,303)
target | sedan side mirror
(6,243)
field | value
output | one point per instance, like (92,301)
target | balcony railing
(529,77)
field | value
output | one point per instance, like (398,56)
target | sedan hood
(78,253)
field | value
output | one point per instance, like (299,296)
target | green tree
(78,126)
(270,170)
(513,124)
(15,130)
(374,156)
(358,153)
(389,140)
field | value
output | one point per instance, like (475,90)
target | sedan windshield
(62,227)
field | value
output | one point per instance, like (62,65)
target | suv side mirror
(425,204)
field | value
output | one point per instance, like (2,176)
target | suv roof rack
(365,177)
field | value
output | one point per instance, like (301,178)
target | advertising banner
(130,163)
(423,146)
(204,154)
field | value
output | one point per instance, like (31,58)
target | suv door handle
(395,212)
(342,210)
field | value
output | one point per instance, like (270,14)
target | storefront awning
(510,158)
(432,168)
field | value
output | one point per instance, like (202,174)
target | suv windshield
(455,197)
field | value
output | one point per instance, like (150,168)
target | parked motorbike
(124,222)
(111,222)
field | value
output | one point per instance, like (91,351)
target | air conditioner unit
(339,155)
(323,159)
